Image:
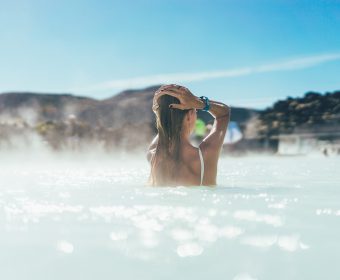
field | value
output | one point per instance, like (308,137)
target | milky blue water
(78,217)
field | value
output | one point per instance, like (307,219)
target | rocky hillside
(314,112)
(122,121)
(42,107)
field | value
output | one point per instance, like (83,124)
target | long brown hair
(166,160)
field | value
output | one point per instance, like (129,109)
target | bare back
(189,173)
(176,121)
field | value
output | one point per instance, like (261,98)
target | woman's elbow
(226,108)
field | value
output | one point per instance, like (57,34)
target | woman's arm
(221,114)
(214,141)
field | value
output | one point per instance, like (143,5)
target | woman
(174,161)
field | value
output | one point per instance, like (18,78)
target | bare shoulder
(153,143)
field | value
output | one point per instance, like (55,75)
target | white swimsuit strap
(202,165)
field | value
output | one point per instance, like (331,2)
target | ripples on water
(269,218)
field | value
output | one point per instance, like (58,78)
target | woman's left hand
(186,98)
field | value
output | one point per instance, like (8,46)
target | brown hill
(124,120)
(46,107)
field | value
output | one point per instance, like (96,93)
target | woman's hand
(186,98)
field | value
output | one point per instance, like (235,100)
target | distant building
(309,143)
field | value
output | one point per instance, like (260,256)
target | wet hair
(167,159)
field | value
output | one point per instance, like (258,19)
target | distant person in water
(174,160)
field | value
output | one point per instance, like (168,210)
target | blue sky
(245,53)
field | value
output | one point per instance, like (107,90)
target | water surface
(74,217)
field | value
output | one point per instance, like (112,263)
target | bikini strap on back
(202,164)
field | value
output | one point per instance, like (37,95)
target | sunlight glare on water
(72,218)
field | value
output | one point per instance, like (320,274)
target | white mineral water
(72,217)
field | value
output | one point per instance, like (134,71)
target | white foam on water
(65,247)
(189,250)
(244,276)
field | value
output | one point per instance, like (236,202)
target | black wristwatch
(206,102)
